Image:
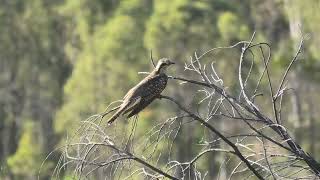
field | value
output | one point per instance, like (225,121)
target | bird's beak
(172,62)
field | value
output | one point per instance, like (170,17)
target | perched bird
(141,95)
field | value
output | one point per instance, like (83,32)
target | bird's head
(163,64)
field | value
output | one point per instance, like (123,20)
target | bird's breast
(162,83)
(158,85)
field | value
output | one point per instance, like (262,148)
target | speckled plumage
(141,95)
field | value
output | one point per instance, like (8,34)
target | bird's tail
(118,113)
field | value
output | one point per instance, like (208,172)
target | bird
(147,90)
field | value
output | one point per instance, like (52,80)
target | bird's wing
(145,88)
(148,91)
(135,91)
(134,102)
(142,104)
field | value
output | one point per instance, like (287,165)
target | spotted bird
(147,90)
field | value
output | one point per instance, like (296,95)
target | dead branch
(124,154)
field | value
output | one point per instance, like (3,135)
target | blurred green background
(64,60)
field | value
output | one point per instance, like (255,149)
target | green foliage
(230,27)
(307,16)
(171,24)
(108,42)
(33,70)
(99,71)
(27,160)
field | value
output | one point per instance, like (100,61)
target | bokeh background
(64,60)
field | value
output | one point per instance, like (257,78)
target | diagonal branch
(214,130)
(295,148)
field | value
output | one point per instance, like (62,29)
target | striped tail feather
(125,107)
(118,112)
